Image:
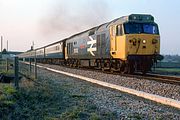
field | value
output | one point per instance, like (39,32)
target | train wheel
(122,67)
(98,64)
(78,64)
(102,65)
(112,65)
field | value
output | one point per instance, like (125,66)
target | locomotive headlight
(144,41)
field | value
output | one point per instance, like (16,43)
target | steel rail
(149,76)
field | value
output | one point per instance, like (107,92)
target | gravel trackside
(149,86)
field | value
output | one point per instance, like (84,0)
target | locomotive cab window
(119,30)
(141,28)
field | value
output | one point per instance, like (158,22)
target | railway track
(156,77)
(165,78)
(150,76)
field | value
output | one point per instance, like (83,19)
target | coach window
(119,30)
(57,47)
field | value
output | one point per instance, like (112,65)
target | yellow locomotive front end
(135,40)
(142,39)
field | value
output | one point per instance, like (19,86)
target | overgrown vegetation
(7,100)
(8,73)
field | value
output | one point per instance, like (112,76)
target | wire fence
(28,68)
(6,65)
(13,69)
(7,70)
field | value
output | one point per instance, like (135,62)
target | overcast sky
(47,21)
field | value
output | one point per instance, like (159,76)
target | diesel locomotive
(128,44)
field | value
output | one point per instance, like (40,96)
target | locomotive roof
(124,19)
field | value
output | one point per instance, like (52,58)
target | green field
(167,68)
(167,71)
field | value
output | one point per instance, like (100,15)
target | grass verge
(50,101)
(7,100)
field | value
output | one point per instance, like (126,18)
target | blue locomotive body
(91,44)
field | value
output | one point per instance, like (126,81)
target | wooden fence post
(7,65)
(30,68)
(16,72)
(35,66)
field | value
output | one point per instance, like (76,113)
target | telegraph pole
(16,73)
(1,45)
(7,45)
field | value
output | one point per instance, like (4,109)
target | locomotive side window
(75,43)
(119,30)
(91,32)
(113,30)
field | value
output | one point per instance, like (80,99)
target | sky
(23,22)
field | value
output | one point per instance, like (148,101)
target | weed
(9,90)
(94,116)
(71,114)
